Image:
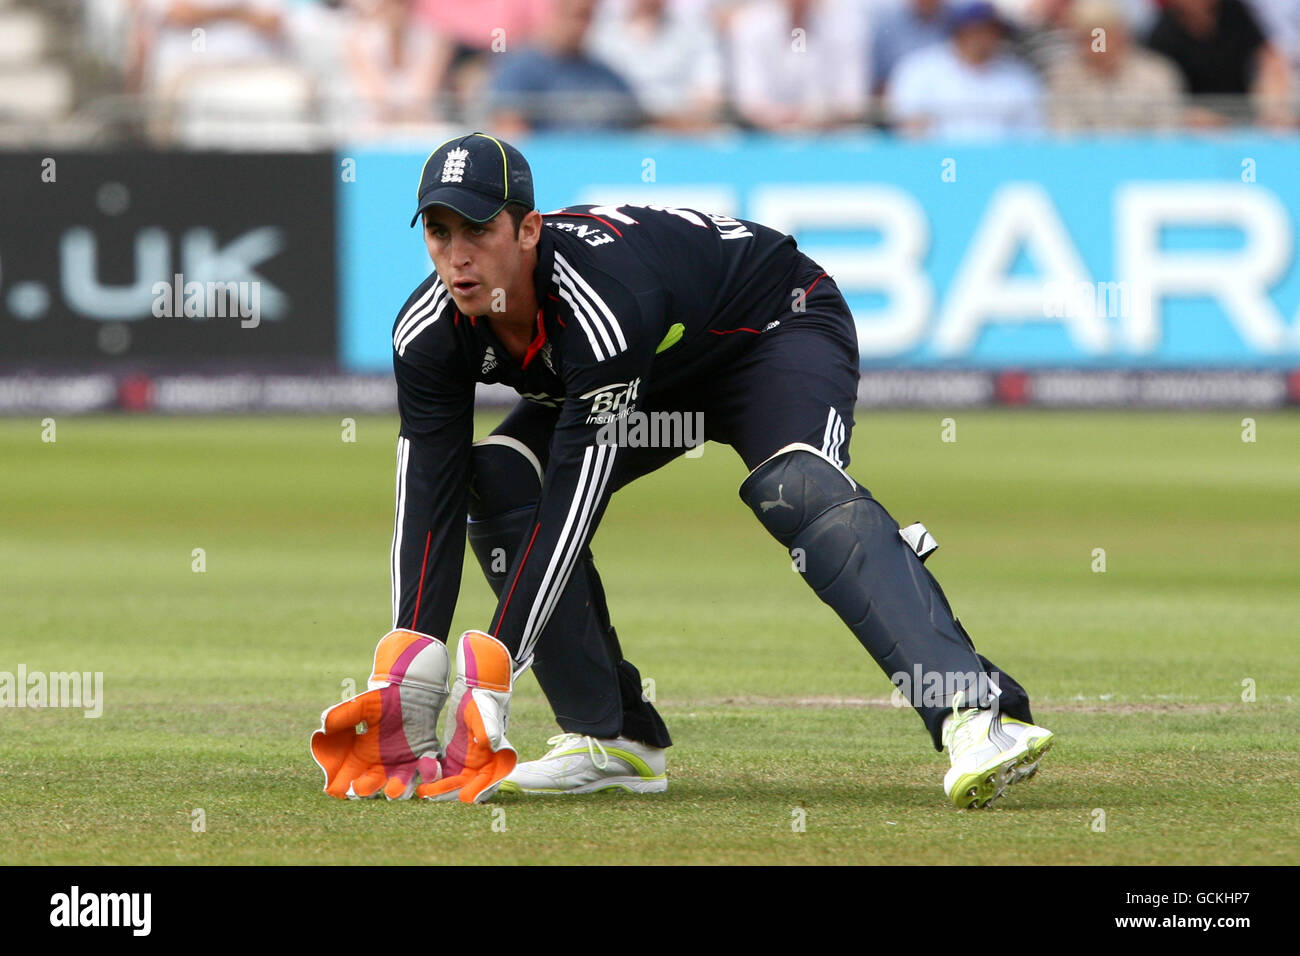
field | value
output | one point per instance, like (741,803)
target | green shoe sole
(978,790)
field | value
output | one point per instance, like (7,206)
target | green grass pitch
(213,681)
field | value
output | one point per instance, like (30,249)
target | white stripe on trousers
(833,437)
(395,558)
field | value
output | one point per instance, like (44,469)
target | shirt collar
(542,275)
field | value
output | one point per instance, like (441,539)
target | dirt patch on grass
(1072,705)
(751,700)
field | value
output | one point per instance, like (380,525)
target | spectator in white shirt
(968,87)
(395,63)
(194,34)
(669,56)
(799,65)
(1281,22)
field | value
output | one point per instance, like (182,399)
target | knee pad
(831,525)
(794,488)
(505,483)
(504,475)
(851,552)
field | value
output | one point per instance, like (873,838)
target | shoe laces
(566,741)
(959,729)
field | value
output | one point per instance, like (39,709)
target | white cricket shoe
(989,752)
(580,764)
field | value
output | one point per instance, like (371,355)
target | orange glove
(478,756)
(387,738)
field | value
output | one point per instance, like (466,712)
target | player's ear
(530,229)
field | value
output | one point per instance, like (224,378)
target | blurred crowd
(393,68)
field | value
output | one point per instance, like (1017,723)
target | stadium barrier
(1093,273)
(239,392)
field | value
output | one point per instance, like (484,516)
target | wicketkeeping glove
(479,756)
(386,740)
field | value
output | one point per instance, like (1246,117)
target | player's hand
(386,739)
(478,754)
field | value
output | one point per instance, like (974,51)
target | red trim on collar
(558,317)
(536,344)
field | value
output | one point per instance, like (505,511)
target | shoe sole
(979,790)
(628,784)
(1028,764)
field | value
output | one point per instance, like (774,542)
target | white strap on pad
(919,540)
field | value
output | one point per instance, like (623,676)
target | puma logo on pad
(766,506)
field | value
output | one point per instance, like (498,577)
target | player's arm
(384,741)
(607,360)
(435,396)
(433,456)
(605,364)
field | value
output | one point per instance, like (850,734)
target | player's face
(479,262)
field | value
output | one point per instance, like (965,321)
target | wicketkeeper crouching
(596,315)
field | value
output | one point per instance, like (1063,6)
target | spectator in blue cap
(968,87)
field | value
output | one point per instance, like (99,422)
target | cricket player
(602,317)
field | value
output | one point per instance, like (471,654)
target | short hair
(517,211)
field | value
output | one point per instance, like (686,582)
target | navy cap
(474,175)
(978,11)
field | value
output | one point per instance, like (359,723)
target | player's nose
(459,250)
